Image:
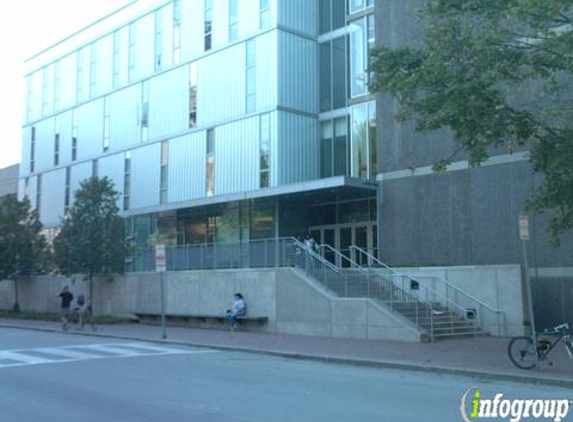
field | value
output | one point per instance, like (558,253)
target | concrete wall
(9,180)
(498,286)
(293,304)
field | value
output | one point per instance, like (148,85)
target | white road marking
(23,357)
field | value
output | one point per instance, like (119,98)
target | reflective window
(32,149)
(74,135)
(45,85)
(264,14)
(176,32)
(250,82)
(67,190)
(93,70)
(158,38)
(127,180)
(106,124)
(192,95)
(39,193)
(131,53)
(210,167)
(79,75)
(208,23)
(364,141)
(332,15)
(333,80)
(265,149)
(362,39)
(163,184)
(359,5)
(145,111)
(233,20)
(333,148)
(116,58)
(57,84)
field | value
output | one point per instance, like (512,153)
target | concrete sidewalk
(482,358)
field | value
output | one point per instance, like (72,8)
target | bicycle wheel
(521,352)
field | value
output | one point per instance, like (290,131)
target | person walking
(66,299)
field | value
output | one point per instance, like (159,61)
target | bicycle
(82,315)
(522,354)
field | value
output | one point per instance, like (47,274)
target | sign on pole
(160,259)
(524,227)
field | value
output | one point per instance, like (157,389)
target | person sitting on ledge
(239,308)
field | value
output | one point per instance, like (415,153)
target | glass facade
(333,75)
(332,15)
(364,148)
(334,148)
(250,72)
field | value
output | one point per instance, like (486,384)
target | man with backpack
(66,299)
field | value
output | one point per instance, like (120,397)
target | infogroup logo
(475,407)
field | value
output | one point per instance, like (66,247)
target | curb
(378,364)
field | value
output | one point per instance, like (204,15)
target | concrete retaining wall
(293,304)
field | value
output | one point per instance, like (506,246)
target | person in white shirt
(239,308)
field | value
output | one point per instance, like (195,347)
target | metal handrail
(338,253)
(457,289)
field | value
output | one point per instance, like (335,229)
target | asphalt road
(47,377)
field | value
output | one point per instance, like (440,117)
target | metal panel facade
(187,156)
(169,103)
(53,197)
(44,150)
(90,129)
(300,15)
(112,167)
(266,57)
(65,131)
(78,174)
(68,81)
(298,75)
(144,51)
(145,170)
(298,148)
(221,86)
(124,117)
(237,157)
(191,29)
(104,65)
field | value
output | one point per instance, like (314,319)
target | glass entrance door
(341,237)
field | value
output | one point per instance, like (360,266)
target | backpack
(81,300)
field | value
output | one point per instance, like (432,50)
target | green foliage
(22,247)
(496,73)
(92,238)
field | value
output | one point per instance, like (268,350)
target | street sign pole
(161,267)
(524,236)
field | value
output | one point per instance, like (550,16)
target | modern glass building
(217,120)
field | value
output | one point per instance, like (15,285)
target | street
(49,377)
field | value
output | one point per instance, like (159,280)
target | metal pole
(530,302)
(162,281)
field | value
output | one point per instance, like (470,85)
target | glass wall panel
(263,221)
(339,78)
(358,61)
(372,140)
(325,77)
(325,16)
(359,166)
(340,152)
(326,149)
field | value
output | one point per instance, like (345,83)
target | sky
(27,27)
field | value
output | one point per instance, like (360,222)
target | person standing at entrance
(66,297)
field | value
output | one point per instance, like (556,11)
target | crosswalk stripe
(83,352)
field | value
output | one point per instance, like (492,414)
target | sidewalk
(482,358)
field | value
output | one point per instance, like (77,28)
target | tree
(92,239)
(22,247)
(495,73)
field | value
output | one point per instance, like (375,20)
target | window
(79,75)
(158,39)
(333,81)
(362,39)
(332,15)
(95,169)
(126,180)
(364,143)
(39,193)
(233,20)
(116,59)
(67,190)
(164,172)
(176,32)
(56,141)
(131,53)
(32,149)
(29,98)
(210,167)
(93,70)
(333,148)
(208,23)
(45,84)
(359,5)
(265,149)
(145,111)
(74,135)
(57,84)
(192,95)
(250,83)
(56,149)
(27,187)
(106,124)
(264,14)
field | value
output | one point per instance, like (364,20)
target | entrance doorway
(341,237)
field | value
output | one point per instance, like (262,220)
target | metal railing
(467,306)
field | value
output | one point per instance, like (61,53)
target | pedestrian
(239,308)
(66,299)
